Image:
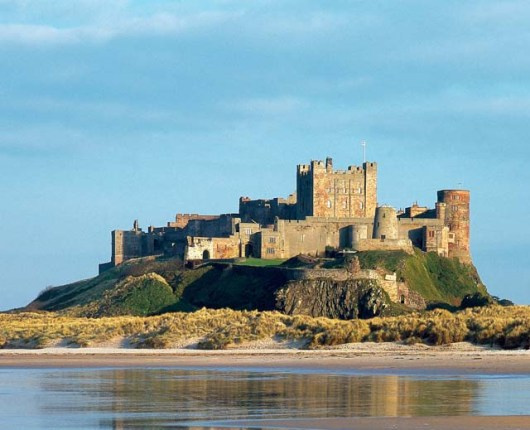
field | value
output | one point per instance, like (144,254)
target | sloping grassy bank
(437,279)
(507,327)
(150,287)
(154,286)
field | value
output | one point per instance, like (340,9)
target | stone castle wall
(313,236)
(324,192)
(126,245)
(264,211)
(182,220)
(332,210)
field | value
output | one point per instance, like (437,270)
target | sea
(194,398)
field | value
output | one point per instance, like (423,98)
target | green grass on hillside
(436,278)
(142,296)
(388,260)
(258,262)
(151,286)
(441,279)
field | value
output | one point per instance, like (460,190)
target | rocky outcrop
(358,298)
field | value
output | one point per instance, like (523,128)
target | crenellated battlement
(331,209)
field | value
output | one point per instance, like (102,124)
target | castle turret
(386,223)
(441,209)
(359,234)
(457,218)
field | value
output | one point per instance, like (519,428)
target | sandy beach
(462,358)
(364,358)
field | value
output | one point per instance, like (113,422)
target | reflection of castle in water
(160,397)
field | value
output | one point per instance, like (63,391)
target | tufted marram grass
(506,327)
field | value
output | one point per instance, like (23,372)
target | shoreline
(456,359)
(464,422)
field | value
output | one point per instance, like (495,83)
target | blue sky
(111,111)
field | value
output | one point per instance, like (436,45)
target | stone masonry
(332,210)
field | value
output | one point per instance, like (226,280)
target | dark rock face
(362,298)
(372,302)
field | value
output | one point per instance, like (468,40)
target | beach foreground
(461,358)
(401,383)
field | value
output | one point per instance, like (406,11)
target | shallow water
(162,398)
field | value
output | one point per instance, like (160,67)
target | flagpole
(363,144)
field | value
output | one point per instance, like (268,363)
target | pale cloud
(158,24)
(46,35)
(55,11)
(95,110)
(507,11)
(49,23)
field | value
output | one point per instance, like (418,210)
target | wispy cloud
(46,35)
(158,24)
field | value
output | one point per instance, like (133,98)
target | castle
(332,210)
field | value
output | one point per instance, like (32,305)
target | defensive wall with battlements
(332,210)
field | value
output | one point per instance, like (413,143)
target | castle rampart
(332,210)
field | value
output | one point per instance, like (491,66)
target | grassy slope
(441,279)
(148,286)
(136,288)
(142,295)
(436,278)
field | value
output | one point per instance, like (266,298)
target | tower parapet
(457,218)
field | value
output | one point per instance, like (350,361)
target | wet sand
(373,358)
(394,423)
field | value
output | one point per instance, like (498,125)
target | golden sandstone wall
(332,209)
(327,193)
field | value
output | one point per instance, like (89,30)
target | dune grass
(506,327)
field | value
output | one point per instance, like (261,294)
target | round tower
(385,223)
(457,218)
(359,233)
